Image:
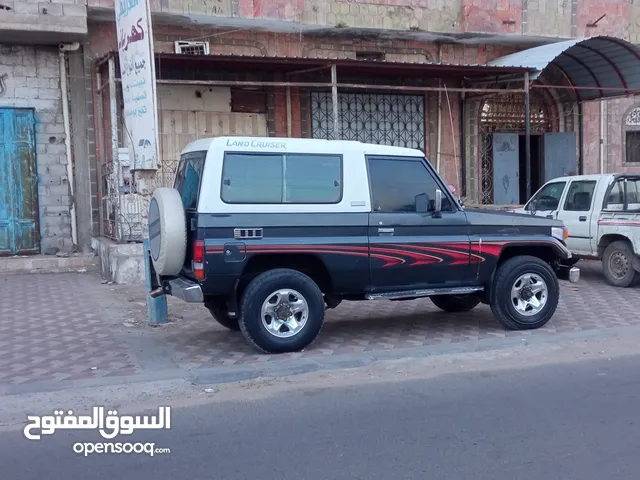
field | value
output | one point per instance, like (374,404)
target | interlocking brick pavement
(53,327)
(198,341)
(56,327)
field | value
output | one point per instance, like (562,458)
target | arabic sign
(109,426)
(137,71)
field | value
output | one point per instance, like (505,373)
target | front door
(407,249)
(546,201)
(560,158)
(18,183)
(576,215)
(506,169)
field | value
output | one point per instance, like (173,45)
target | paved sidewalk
(70,327)
(54,327)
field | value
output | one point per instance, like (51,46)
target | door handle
(583,219)
(386,231)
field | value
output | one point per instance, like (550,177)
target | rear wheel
(525,293)
(617,264)
(282,310)
(455,303)
(220,314)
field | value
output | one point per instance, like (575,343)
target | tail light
(198,259)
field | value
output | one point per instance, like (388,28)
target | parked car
(269,232)
(602,215)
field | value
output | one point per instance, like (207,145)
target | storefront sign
(137,71)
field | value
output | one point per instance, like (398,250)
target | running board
(423,293)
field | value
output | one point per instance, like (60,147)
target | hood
(484,216)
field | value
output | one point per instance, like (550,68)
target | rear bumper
(184,289)
(569,273)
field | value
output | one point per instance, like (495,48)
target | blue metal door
(506,169)
(18,183)
(560,157)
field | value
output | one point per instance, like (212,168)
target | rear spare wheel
(167,231)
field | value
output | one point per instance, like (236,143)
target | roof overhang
(593,68)
(346,67)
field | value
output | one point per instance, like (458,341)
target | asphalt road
(577,421)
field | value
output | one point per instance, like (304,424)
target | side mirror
(437,208)
(422,203)
(532,207)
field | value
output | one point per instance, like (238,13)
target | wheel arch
(309,264)
(546,252)
(608,239)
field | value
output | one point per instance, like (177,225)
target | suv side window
(290,178)
(548,198)
(188,177)
(395,183)
(580,196)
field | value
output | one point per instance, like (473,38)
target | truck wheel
(167,231)
(219,313)
(525,293)
(617,264)
(282,310)
(455,303)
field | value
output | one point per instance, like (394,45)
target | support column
(580,139)
(334,101)
(527,133)
(289,121)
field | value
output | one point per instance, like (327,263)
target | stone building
(37,201)
(429,74)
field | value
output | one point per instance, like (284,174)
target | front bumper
(184,289)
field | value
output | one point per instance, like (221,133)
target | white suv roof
(298,145)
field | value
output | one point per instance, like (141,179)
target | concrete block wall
(44,21)
(551,18)
(33,81)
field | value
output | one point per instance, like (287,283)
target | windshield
(548,197)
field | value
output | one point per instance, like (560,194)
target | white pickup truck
(602,215)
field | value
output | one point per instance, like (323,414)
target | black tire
(617,264)
(455,303)
(264,287)
(220,314)
(505,279)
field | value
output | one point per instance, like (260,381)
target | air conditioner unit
(191,48)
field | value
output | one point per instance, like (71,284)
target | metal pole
(334,100)
(527,134)
(353,86)
(289,122)
(580,139)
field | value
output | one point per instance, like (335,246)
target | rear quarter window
(299,178)
(189,177)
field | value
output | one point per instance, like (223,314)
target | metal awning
(594,67)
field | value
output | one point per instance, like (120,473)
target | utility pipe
(62,60)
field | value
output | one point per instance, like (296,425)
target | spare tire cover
(167,231)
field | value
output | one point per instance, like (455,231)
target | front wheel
(282,311)
(617,264)
(525,293)
(455,303)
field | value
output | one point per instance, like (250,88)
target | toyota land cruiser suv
(269,232)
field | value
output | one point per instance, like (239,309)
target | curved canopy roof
(595,67)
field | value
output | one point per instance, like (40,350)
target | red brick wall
(492,16)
